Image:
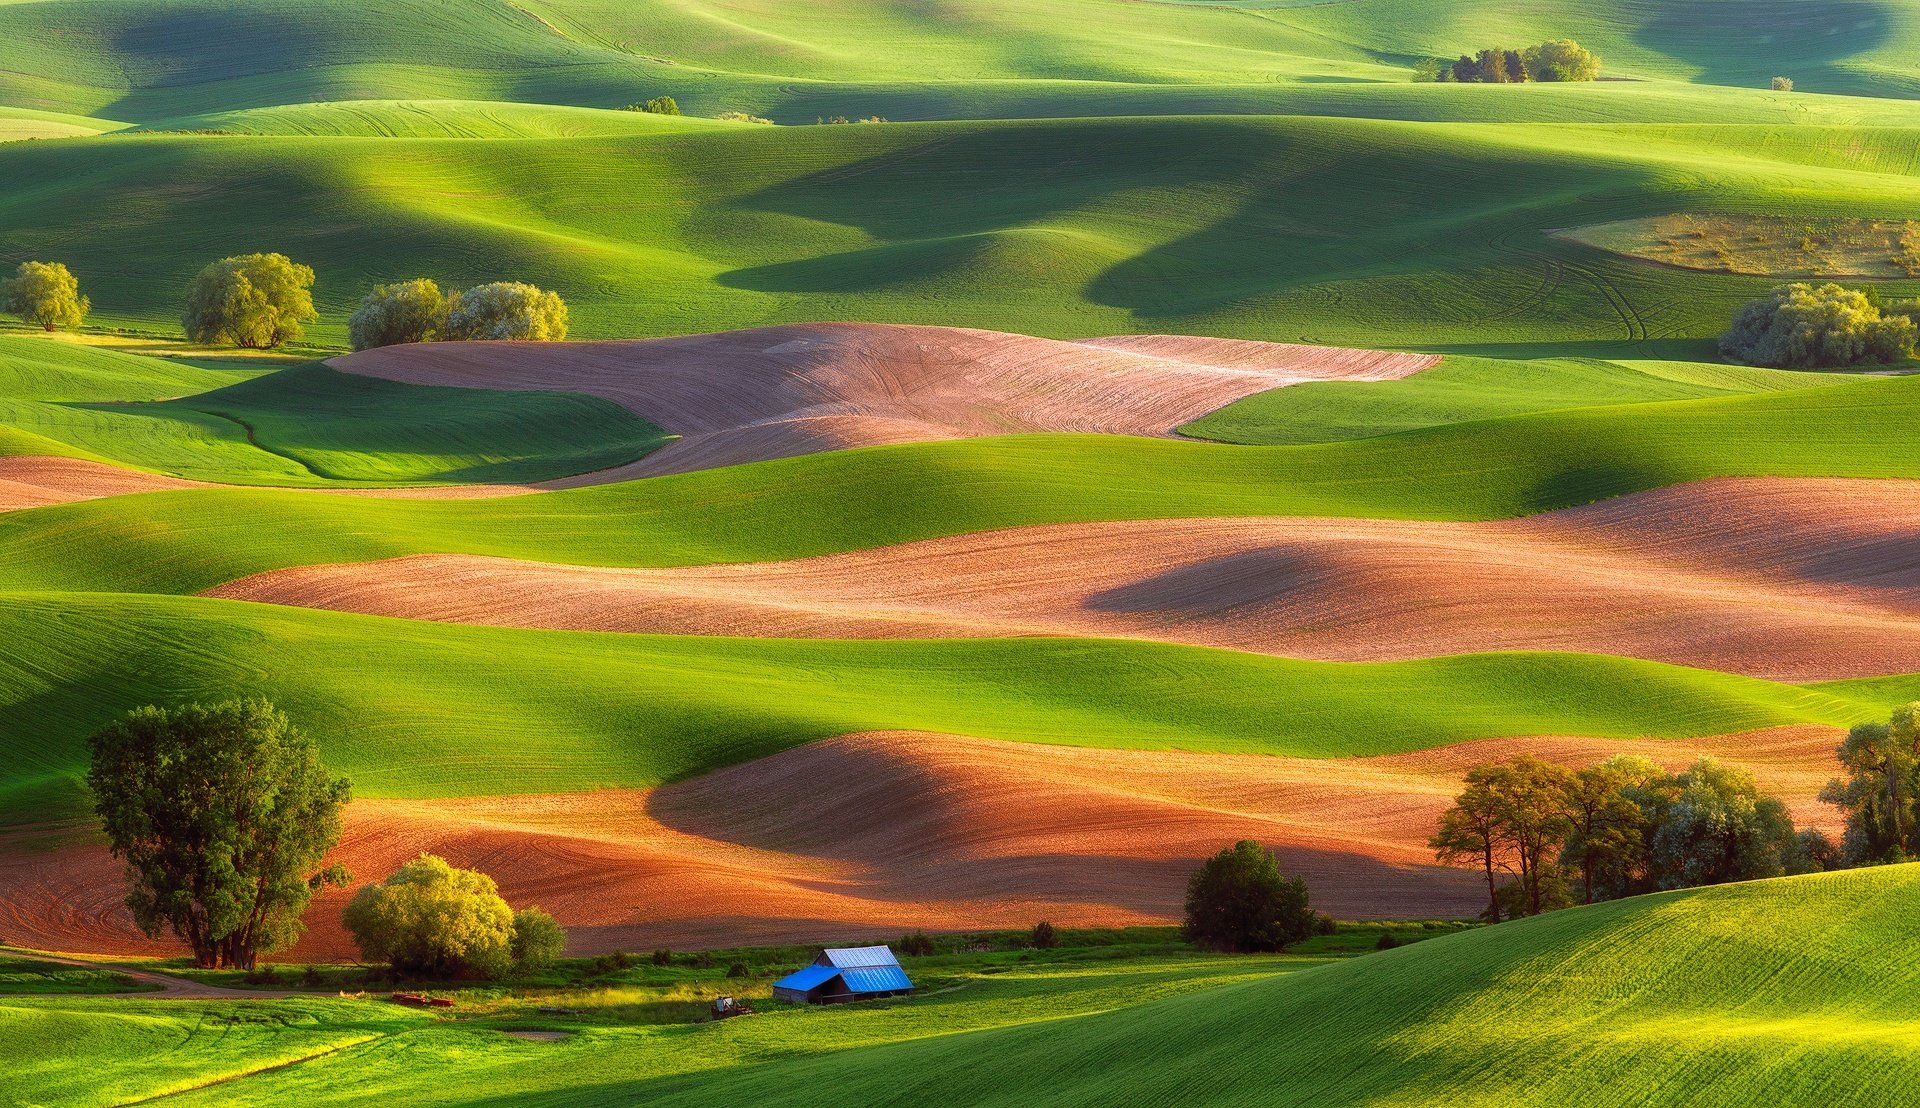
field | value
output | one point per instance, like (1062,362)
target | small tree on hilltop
(409,311)
(253,300)
(46,294)
(1782,84)
(1238,901)
(506,310)
(434,919)
(222,815)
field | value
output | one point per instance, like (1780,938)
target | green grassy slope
(1276,228)
(410,708)
(388,1053)
(1769,993)
(306,425)
(1766,993)
(1465,388)
(189,541)
(490,119)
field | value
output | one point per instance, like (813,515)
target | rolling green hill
(306,425)
(1280,228)
(1766,993)
(1774,992)
(187,541)
(412,708)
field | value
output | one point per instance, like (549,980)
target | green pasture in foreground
(1773,992)
(306,425)
(30,976)
(414,708)
(1279,228)
(189,541)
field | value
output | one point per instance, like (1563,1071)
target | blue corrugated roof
(851,957)
(876,979)
(807,978)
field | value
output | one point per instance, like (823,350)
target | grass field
(1766,993)
(1263,169)
(411,708)
(1153,225)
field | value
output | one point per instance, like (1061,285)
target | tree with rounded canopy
(432,918)
(44,293)
(1718,827)
(407,311)
(1800,326)
(1560,60)
(253,300)
(223,815)
(1238,901)
(506,310)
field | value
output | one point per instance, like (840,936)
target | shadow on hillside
(1748,43)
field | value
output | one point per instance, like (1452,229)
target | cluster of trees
(1804,326)
(264,300)
(659,105)
(44,294)
(223,816)
(417,311)
(1238,901)
(1560,60)
(1619,828)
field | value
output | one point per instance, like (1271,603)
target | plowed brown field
(1780,578)
(879,833)
(777,392)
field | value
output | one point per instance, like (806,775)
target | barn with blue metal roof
(847,973)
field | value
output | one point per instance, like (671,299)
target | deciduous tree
(407,311)
(45,294)
(1878,797)
(253,300)
(1238,901)
(223,815)
(506,310)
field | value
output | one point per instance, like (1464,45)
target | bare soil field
(1787,579)
(874,834)
(776,392)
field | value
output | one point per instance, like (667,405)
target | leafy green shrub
(1560,60)
(1387,941)
(253,300)
(537,939)
(738,969)
(431,918)
(1781,84)
(917,943)
(45,294)
(1239,902)
(663,957)
(659,105)
(1800,326)
(506,310)
(1043,936)
(408,311)
(743,117)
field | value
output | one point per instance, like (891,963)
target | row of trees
(1804,326)
(223,816)
(417,311)
(1619,828)
(1560,60)
(261,301)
